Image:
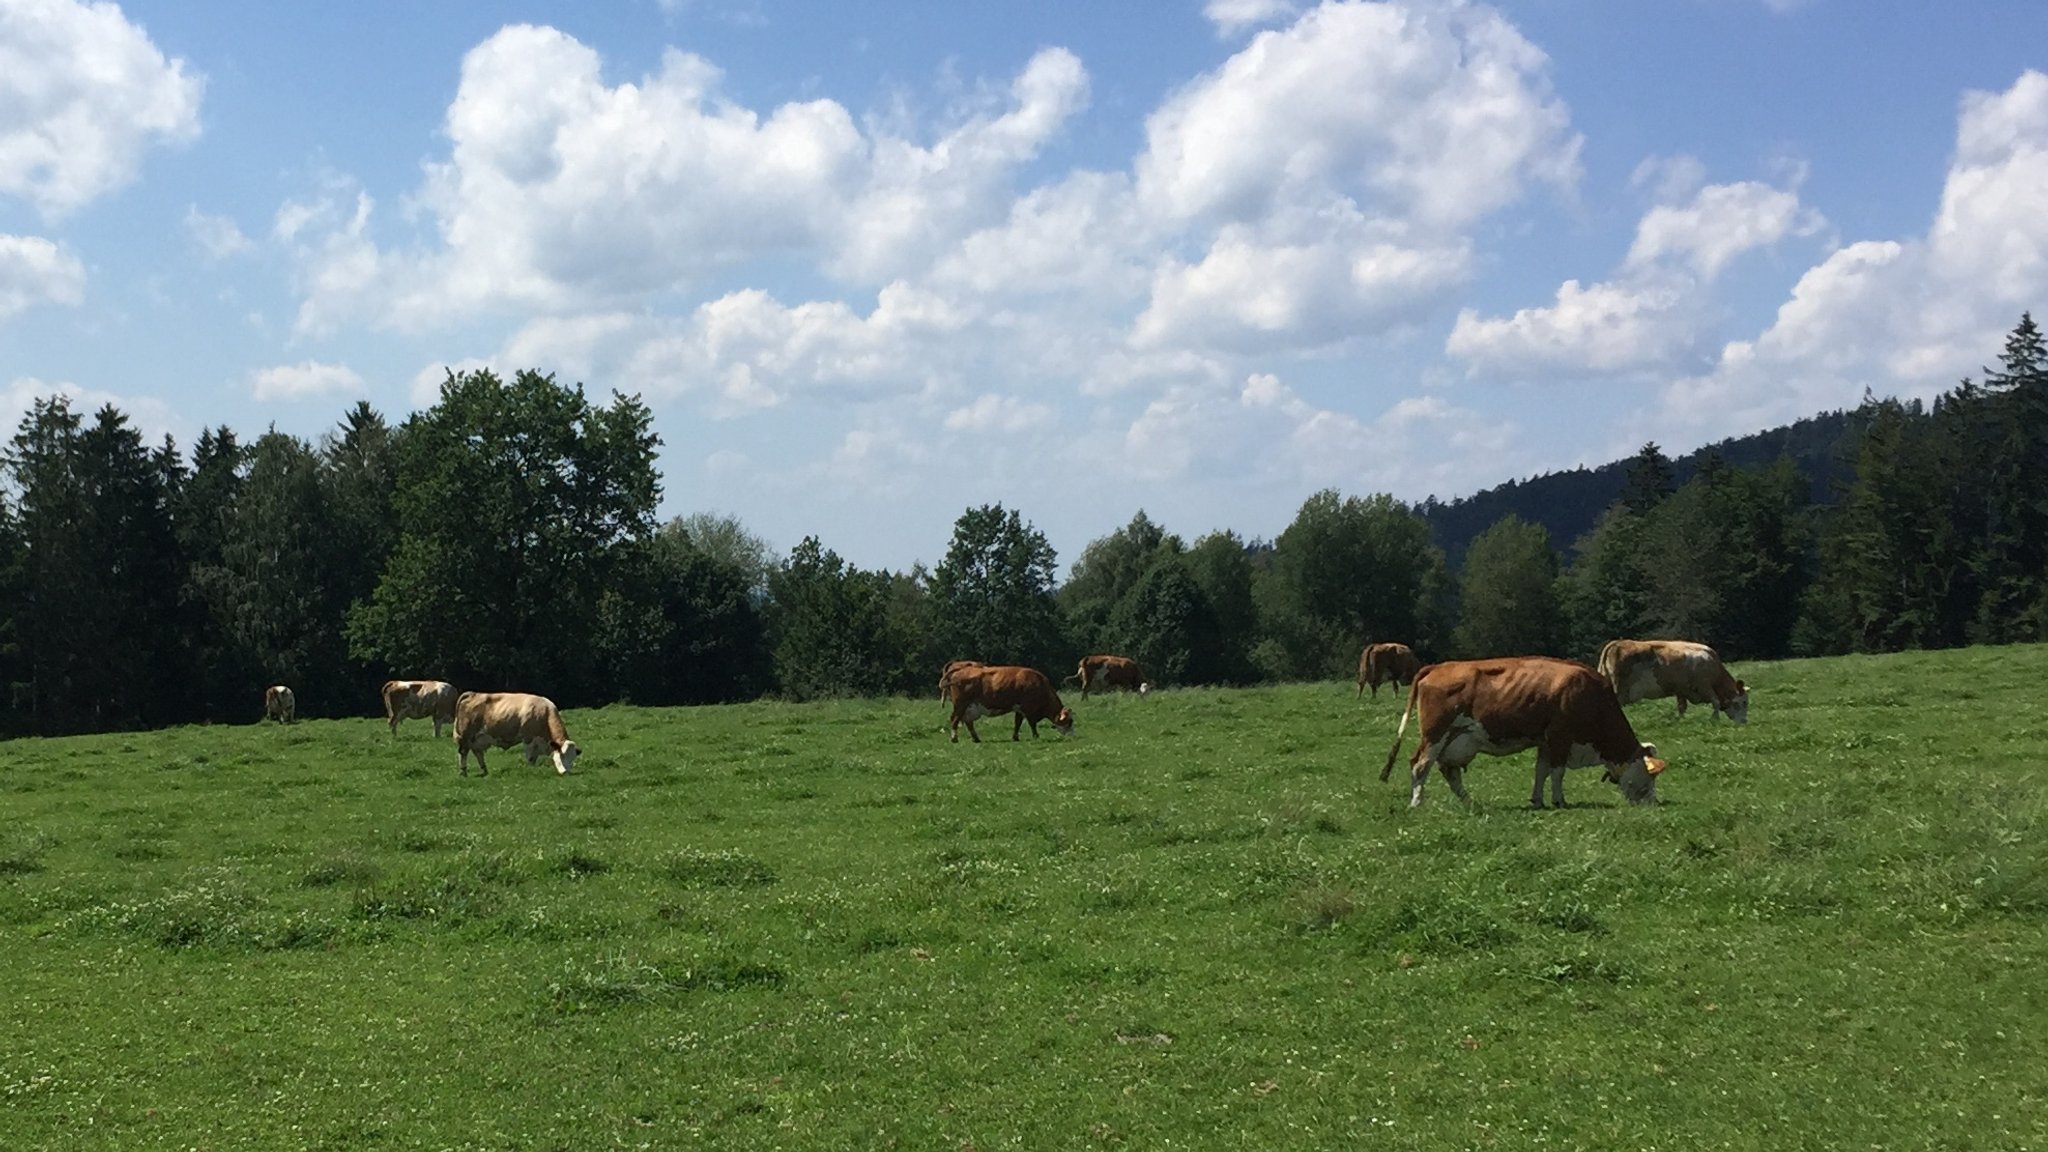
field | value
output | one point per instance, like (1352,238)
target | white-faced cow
(511,719)
(419,700)
(1380,663)
(1106,672)
(1561,708)
(279,704)
(1654,669)
(994,689)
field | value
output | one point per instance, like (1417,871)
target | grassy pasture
(1201,922)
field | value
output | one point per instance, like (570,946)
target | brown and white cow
(419,700)
(1105,672)
(510,719)
(1654,669)
(279,704)
(1381,663)
(1561,708)
(952,669)
(994,689)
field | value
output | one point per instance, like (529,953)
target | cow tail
(1607,665)
(1401,732)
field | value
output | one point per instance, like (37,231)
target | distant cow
(994,689)
(1382,663)
(419,700)
(279,704)
(951,670)
(508,719)
(1654,669)
(1561,708)
(1105,672)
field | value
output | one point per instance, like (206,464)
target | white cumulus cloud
(1234,16)
(308,378)
(1899,316)
(83,92)
(1658,309)
(35,271)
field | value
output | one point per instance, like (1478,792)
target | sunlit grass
(1201,921)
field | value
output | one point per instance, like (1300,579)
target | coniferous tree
(1648,479)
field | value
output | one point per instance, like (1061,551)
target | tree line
(506,537)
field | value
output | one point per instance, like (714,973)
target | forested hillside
(506,538)
(1567,504)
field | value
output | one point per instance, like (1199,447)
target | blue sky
(871,264)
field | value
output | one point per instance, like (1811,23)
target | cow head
(1638,777)
(565,756)
(1064,722)
(1737,706)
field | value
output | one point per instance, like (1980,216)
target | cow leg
(1418,774)
(1017,726)
(1454,775)
(1681,705)
(972,732)
(1553,767)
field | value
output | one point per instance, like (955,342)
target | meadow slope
(1200,922)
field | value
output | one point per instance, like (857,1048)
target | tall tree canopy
(519,504)
(992,596)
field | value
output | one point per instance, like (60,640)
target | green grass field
(1200,922)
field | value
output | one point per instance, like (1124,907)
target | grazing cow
(279,704)
(1107,672)
(1654,669)
(507,719)
(1381,663)
(951,670)
(419,700)
(994,689)
(1561,708)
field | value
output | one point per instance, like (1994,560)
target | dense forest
(140,587)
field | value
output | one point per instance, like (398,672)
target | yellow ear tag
(1653,764)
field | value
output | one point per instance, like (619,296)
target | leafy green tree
(1508,595)
(714,638)
(831,625)
(1165,623)
(1604,594)
(520,506)
(725,540)
(992,596)
(1345,572)
(1109,568)
(1221,567)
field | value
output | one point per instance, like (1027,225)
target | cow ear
(1649,750)
(1740,688)
(1652,765)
